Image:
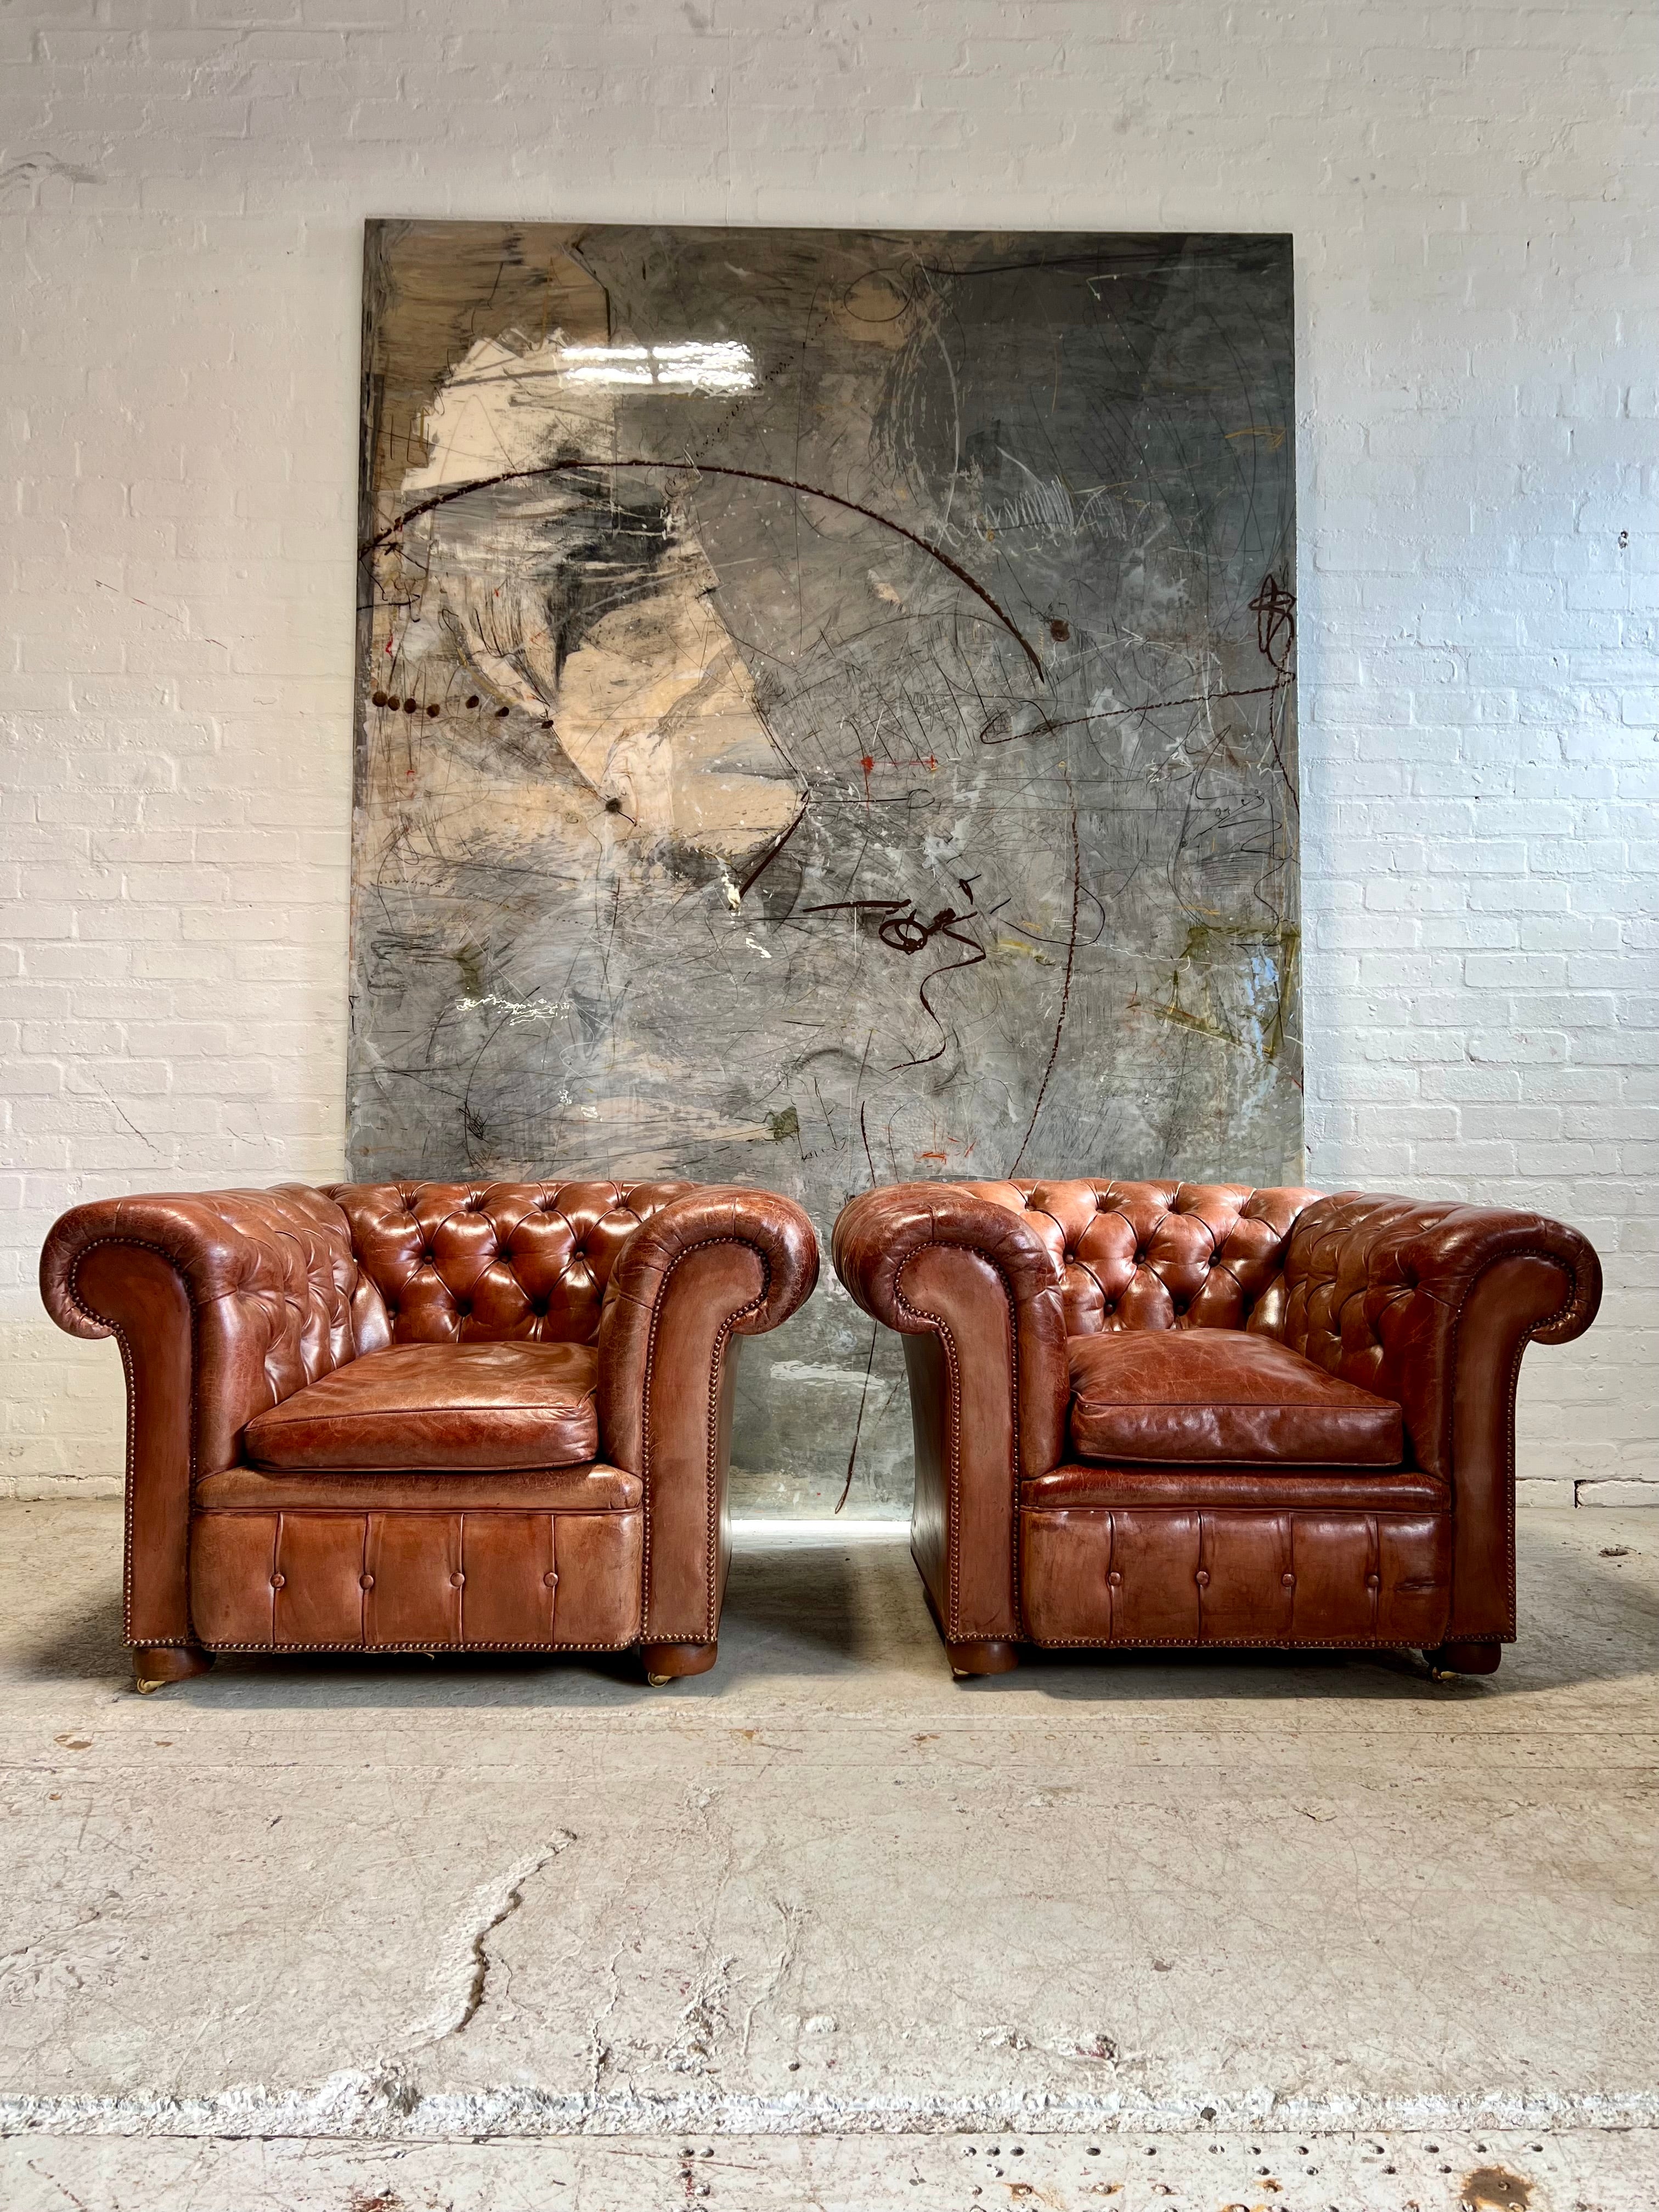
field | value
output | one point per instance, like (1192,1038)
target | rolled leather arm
(880,1234)
(1380,1289)
(223,1303)
(975,1291)
(718,1263)
(220,1242)
(1433,1306)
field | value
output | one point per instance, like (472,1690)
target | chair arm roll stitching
(713,1421)
(115,1329)
(1532,1251)
(954,1371)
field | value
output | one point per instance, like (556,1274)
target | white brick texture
(1473,195)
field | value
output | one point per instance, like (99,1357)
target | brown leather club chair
(1151,1414)
(428,1417)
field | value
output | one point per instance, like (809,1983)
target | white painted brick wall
(1473,194)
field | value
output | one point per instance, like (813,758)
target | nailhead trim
(114,1328)
(369,1650)
(1245,1643)
(953,1518)
(711,1624)
(1537,1329)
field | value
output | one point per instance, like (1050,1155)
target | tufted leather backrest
(465,1262)
(1163,1254)
(283,1302)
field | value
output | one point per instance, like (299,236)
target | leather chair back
(1163,1255)
(471,1262)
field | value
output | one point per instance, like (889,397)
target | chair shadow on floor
(825,1612)
(792,1612)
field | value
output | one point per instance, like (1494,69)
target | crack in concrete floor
(826,1894)
(464,1967)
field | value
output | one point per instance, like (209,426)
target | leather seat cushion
(1221,1395)
(450,1407)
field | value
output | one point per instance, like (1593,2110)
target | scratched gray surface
(826,714)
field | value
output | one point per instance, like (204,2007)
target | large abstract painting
(826,716)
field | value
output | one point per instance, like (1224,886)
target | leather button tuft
(457,1579)
(1287,1581)
(549,1578)
(1116,1579)
(1202,1578)
(1373,1581)
(367,1581)
(279,1582)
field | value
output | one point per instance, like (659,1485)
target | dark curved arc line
(1064,1000)
(1047,728)
(858,1425)
(771,854)
(713,469)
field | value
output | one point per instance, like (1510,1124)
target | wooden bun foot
(155,1665)
(671,1662)
(995,1656)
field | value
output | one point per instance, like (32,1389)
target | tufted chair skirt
(1368,1569)
(515,1563)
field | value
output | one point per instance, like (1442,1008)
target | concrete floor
(824,1927)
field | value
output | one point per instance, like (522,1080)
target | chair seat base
(1242,1574)
(337,1578)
